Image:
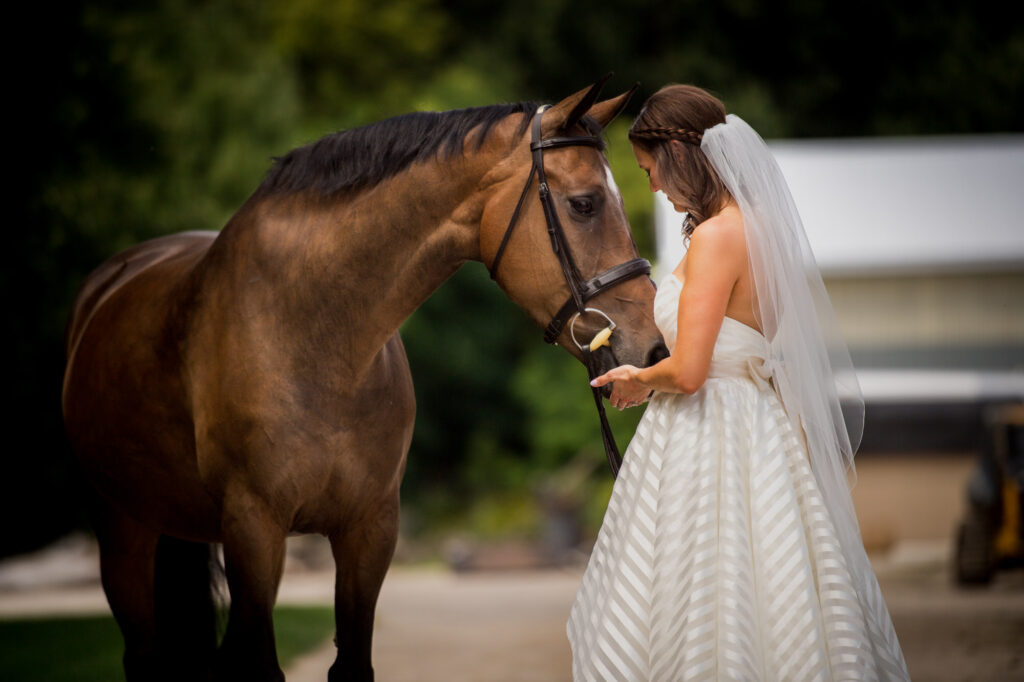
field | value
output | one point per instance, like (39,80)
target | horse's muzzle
(658,352)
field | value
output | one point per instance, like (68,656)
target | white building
(921,245)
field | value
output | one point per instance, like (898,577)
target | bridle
(580,290)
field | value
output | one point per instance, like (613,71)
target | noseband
(580,290)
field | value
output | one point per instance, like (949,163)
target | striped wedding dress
(717,559)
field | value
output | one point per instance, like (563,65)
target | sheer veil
(810,362)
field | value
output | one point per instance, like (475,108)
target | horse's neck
(345,274)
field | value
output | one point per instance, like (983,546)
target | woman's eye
(582,205)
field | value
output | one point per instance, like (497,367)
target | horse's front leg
(362,554)
(254,547)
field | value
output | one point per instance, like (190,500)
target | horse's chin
(605,360)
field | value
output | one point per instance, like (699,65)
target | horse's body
(238,387)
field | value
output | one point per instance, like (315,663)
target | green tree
(134,120)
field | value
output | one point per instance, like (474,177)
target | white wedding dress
(717,559)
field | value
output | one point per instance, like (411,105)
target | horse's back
(122,268)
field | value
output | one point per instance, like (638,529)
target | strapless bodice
(740,350)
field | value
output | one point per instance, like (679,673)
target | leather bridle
(580,290)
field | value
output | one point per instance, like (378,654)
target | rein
(580,290)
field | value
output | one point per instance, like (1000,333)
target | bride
(730,549)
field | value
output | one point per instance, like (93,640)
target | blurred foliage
(358,60)
(139,119)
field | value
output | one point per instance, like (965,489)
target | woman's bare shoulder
(727,224)
(721,235)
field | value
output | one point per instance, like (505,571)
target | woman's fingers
(626,392)
(616,374)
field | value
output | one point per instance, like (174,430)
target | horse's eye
(582,205)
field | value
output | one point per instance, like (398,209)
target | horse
(236,387)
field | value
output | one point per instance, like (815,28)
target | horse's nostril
(658,353)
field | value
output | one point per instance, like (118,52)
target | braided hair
(662,133)
(681,114)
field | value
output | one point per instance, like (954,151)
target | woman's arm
(714,263)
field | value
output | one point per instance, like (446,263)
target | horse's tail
(188,605)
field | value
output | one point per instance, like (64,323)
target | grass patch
(299,629)
(86,648)
(60,649)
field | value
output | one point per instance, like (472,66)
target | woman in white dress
(730,549)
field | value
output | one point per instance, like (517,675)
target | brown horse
(238,387)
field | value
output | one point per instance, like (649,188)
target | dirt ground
(433,625)
(509,626)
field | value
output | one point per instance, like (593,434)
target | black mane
(362,157)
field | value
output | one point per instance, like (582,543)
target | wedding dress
(717,558)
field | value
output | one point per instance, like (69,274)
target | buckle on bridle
(600,338)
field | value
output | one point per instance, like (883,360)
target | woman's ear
(677,149)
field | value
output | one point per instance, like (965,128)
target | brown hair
(682,113)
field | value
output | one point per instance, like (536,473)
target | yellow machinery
(991,535)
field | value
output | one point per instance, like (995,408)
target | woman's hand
(627,389)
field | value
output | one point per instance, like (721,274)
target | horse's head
(555,256)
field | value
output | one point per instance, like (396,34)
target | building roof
(898,205)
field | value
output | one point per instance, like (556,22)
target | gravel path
(510,627)
(494,627)
(434,625)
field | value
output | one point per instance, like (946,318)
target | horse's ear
(570,110)
(604,112)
